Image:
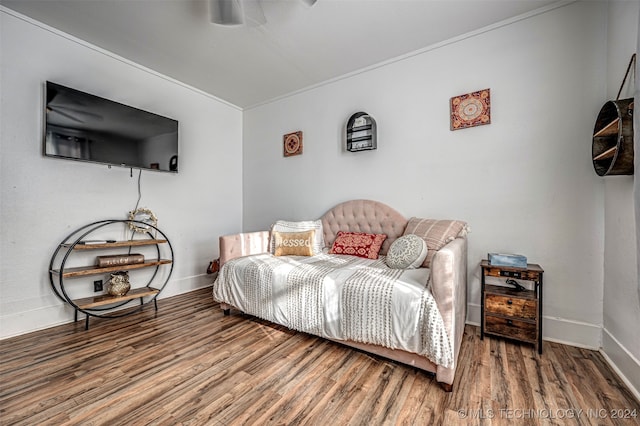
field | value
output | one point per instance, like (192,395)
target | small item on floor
(214,266)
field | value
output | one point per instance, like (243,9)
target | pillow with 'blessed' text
(293,243)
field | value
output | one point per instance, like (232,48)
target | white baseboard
(474,314)
(19,323)
(573,333)
(623,362)
(559,330)
(185,285)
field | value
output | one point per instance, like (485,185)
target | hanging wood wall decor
(612,146)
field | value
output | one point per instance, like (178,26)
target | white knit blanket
(339,297)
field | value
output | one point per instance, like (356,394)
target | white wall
(621,334)
(44,199)
(524,183)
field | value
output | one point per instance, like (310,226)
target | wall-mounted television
(84,127)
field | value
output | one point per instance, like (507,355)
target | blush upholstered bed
(415,316)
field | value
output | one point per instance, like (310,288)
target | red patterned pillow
(358,244)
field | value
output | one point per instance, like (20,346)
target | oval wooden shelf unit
(612,146)
(106,305)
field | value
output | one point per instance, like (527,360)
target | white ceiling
(299,46)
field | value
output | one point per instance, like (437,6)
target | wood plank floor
(188,364)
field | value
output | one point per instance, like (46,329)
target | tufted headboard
(363,216)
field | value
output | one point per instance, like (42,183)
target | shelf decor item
(612,146)
(471,109)
(292,144)
(119,259)
(118,285)
(361,132)
(142,220)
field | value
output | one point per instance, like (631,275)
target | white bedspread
(339,297)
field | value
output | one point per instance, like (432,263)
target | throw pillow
(306,225)
(436,233)
(358,244)
(407,252)
(294,243)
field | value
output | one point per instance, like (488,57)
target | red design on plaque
(292,143)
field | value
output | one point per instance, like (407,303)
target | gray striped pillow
(436,233)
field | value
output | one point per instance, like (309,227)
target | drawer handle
(509,302)
(509,322)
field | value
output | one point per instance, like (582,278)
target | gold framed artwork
(471,109)
(292,144)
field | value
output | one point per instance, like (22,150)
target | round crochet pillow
(407,252)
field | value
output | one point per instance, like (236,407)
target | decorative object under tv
(142,220)
(158,262)
(471,109)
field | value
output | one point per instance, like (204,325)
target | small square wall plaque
(470,110)
(292,144)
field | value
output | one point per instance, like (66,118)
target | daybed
(415,315)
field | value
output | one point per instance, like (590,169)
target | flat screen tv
(84,127)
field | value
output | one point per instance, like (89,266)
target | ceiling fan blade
(226,12)
(239,12)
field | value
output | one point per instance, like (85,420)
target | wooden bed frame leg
(446,386)
(226,312)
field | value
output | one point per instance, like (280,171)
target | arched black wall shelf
(361,132)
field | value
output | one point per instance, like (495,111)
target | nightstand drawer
(511,306)
(511,328)
(522,274)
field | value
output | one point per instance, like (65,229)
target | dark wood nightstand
(509,313)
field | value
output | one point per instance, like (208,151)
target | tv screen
(85,127)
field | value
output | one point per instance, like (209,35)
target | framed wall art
(471,109)
(292,144)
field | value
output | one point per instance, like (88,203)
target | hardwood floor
(188,364)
